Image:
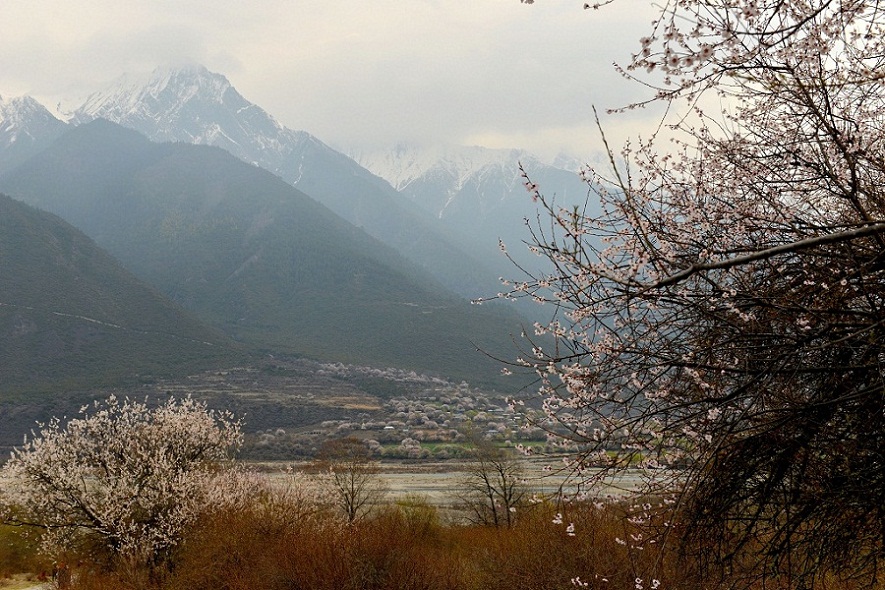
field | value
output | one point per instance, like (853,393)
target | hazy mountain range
(479,193)
(253,256)
(458,200)
(194,105)
(347,265)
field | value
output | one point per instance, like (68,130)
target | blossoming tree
(124,477)
(724,317)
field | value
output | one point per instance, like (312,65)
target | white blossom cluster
(130,475)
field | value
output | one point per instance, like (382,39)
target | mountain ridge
(444,208)
(195,105)
(480,193)
(26,127)
(70,314)
(253,256)
(404,163)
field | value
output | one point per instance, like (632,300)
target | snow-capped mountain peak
(193,105)
(25,124)
(405,163)
(475,194)
(18,111)
(130,94)
(478,192)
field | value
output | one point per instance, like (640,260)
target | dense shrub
(286,542)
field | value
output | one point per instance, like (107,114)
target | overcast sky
(354,73)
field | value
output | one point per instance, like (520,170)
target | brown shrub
(405,547)
(397,549)
(539,553)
